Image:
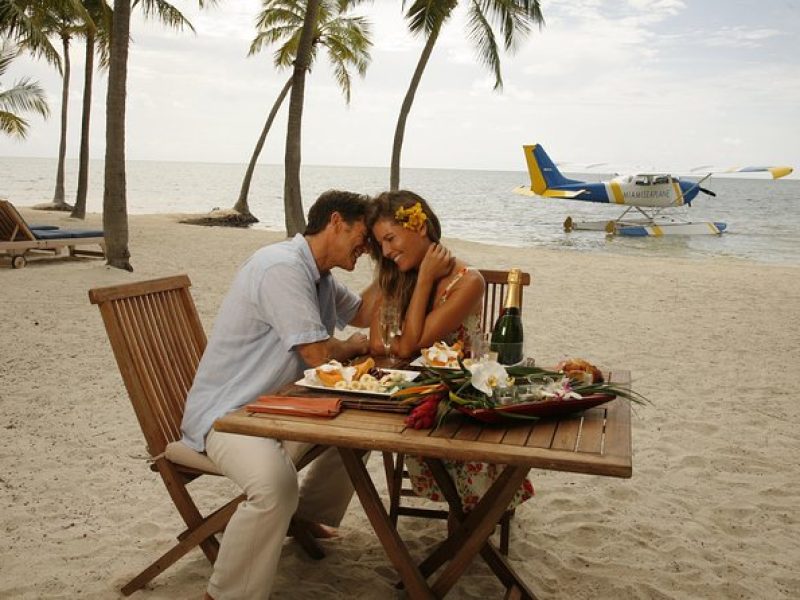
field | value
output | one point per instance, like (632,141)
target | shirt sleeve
(347,304)
(285,296)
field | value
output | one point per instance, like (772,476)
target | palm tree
(23,96)
(115,209)
(346,40)
(96,31)
(292,199)
(62,21)
(512,17)
(33,21)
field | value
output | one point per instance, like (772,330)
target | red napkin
(299,406)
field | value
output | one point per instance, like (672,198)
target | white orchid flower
(487,375)
(560,390)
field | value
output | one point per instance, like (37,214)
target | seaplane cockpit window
(643,180)
(662,179)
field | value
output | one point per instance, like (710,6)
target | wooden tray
(540,410)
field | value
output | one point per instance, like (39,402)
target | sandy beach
(710,512)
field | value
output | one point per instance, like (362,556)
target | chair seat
(179,453)
(183,455)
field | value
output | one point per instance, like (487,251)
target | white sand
(711,510)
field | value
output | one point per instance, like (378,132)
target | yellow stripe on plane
(616,191)
(538,184)
(714,229)
(655,230)
(551,193)
(678,194)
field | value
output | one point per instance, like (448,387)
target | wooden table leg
(496,561)
(475,530)
(395,549)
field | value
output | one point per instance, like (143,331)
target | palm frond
(25,96)
(346,38)
(513,17)
(165,12)
(480,31)
(13,125)
(427,16)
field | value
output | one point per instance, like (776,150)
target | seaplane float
(655,202)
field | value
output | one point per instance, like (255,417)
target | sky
(638,84)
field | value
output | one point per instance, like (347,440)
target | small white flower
(487,375)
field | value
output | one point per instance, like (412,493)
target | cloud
(738,37)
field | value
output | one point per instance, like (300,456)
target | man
(277,319)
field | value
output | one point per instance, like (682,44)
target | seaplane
(656,202)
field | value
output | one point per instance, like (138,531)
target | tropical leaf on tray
(489,386)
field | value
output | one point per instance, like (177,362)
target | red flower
(424,414)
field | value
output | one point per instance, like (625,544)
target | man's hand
(317,353)
(357,344)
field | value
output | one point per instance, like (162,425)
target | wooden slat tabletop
(596,441)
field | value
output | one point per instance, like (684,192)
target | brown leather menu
(299,406)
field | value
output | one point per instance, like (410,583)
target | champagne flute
(390,326)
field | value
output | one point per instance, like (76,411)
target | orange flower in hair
(412,217)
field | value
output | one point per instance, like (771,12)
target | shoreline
(94,220)
(711,509)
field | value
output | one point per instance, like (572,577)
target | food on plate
(364,367)
(442,355)
(333,371)
(364,376)
(580,370)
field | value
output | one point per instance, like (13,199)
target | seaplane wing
(775,172)
(651,194)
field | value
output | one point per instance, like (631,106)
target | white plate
(314,383)
(421,362)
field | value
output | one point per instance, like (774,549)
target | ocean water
(763,216)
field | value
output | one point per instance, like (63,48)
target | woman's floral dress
(472,479)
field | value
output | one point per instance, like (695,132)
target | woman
(439,298)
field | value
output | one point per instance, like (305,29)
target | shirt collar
(308,256)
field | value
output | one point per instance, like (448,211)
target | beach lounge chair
(17,238)
(157,340)
(393,464)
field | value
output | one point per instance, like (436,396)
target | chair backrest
(12,226)
(495,293)
(158,340)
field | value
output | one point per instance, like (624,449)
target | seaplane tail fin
(543,172)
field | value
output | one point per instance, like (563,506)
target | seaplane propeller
(707,191)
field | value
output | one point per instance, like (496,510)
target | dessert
(441,355)
(580,370)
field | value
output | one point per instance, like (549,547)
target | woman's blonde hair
(398,206)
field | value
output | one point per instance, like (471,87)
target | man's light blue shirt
(277,301)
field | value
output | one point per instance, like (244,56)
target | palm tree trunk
(58,196)
(399,132)
(115,213)
(292,198)
(241,205)
(79,211)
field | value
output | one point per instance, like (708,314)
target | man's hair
(351,206)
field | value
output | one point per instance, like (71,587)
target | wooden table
(597,441)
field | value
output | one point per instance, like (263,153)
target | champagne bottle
(507,333)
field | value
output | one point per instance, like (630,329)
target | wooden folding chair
(394,464)
(157,339)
